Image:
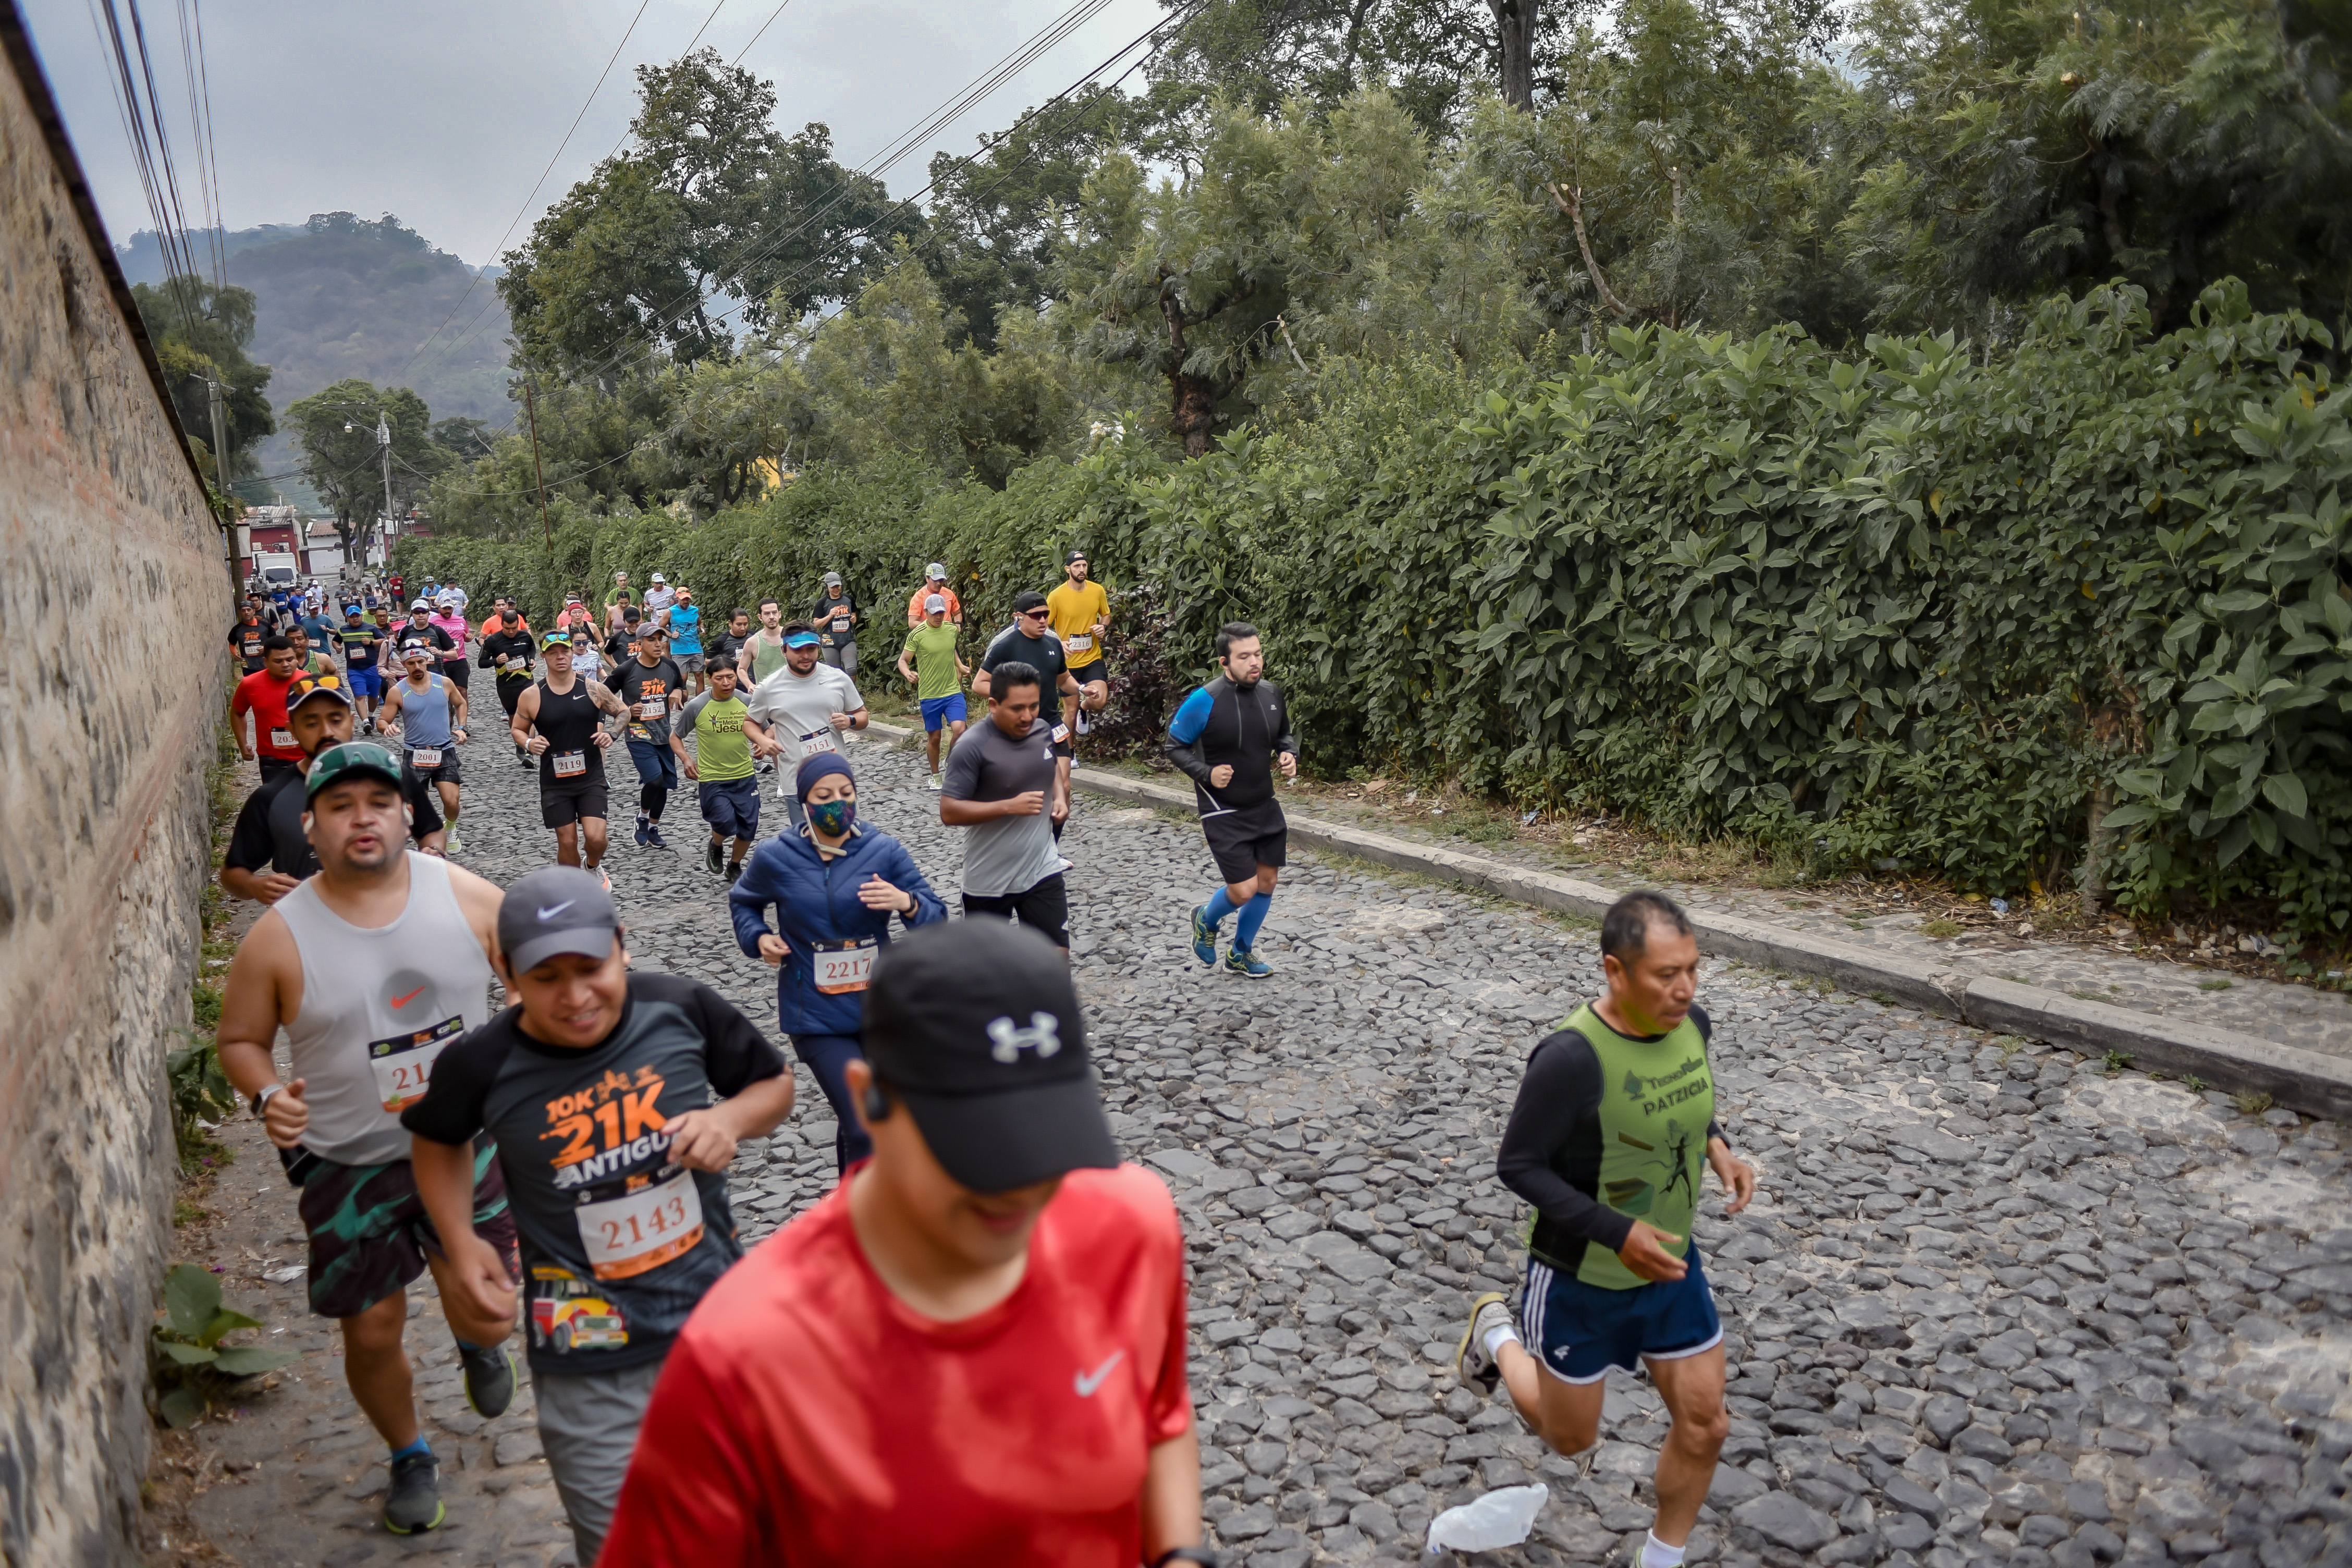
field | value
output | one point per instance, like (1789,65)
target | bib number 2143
(644,1229)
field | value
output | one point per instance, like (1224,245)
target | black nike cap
(974,1027)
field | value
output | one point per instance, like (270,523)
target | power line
(576,119)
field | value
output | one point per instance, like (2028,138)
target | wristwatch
(261,1096)
(1185,1554)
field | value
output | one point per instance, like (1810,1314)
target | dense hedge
(1916,607)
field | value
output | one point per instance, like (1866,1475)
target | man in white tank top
(372,966)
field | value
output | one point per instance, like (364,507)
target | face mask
(833,818)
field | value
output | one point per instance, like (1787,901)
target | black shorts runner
(562,806)
(1044,908)
(455,673)
(511,692)
(370,1234)
(1240,841)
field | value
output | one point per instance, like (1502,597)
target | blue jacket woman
(833,886)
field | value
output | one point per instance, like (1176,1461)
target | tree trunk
(1515,39)
(1193,411)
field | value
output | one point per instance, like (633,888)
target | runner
(833,884)
(562,721)
(659,598)
(652,686)
(508,648)
(429,712)
(268,852)
(315,630)
(1222,737)
(1029,641)
(1002,783)
(620,592)
(262,697)
(993,1260)
(450,616)
(310,657)
(363,645)
(617,610)
(762,652)
(935,585)
(587,658)
(575,613)
(685,624)
(721,767)
(453,597)
(1615,1117)
(727,647)
(836,618)
(371,967)
(246,636)
(802,709)
(1080,612)
(596,1085)
(936,675)
(418,631)
(622,646)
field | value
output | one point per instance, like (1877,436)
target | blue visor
(800,639)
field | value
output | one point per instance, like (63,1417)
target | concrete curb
(2304,1080)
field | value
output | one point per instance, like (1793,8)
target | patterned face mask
(833,818)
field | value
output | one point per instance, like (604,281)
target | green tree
(202,332)
(336,429)
(710,203)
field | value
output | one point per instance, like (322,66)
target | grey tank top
(425,715)
(378,1006)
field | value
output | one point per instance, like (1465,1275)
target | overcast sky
(445,111)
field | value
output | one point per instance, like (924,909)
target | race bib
(404,1064)
(843,966)
(1078,643)
(425,759)
(641,1230)
(281,738)
(841,623)
(652,707)
(817,741)
(1061,734)
(571,765)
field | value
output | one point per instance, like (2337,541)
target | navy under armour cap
(556,909)
(973,1025)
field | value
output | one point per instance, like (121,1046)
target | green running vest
(1657,1098)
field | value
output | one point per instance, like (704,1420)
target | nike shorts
(561,806)
(370,1234)
(1579,1331)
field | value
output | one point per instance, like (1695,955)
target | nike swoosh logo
(551,915)
(1087,1382)
(404,1000)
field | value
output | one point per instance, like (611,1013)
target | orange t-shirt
(807,1415)
(916,613)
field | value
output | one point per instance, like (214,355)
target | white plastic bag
(1499,1518)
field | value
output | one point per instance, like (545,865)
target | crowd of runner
(562,1164)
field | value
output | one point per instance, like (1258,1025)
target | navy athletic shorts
(1579,1331)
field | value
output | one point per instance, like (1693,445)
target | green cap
(352,759)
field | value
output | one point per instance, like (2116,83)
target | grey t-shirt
(1009,854)
(799,708)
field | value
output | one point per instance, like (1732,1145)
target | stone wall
(115,599)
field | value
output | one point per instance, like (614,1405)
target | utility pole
(384,449)
(530,407)
(220,476)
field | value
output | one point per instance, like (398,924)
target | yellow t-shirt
(1072,613)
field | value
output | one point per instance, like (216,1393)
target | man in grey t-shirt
(1002,784)
(799,710)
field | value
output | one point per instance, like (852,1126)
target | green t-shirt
(1657,1098)
(722,755)
(934,647)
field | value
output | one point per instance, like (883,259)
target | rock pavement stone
(1993,1306)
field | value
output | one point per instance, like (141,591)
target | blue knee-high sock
(1220,905)
(1252,917)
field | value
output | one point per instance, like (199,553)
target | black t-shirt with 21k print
(618,1243)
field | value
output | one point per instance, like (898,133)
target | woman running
(834,886)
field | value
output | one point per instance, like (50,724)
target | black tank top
(569,720)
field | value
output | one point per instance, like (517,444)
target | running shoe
(937,782)
(607,875)
(1243,962)
(453,844)
(489,1379)
(414,1501)
(523,756)
(1204,936)
(653,835)
(734,872)
(642,820)
(1472,1364)
(713,859)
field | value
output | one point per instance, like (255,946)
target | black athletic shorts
(1044,908)
(454,672)
(1240,841)
(511,692)
(560,808)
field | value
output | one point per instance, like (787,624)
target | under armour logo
(1042,1036)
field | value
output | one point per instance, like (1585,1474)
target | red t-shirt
(809,1416)
(263,695)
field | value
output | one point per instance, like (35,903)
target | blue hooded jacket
(817,901)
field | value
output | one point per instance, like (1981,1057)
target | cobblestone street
(1992,1304)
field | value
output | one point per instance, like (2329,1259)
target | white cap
(657,577)
(937,604)
(937,573)
(422,604)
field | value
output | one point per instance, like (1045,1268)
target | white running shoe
(936,782)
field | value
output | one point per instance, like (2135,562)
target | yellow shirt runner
(1072,613)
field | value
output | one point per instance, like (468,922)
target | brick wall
(115,598)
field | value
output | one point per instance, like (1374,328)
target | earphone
(878,1104)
